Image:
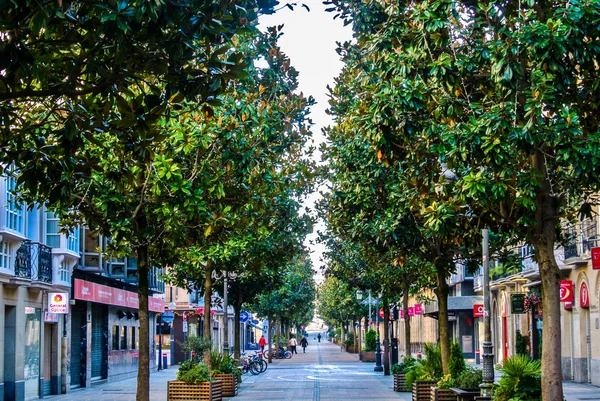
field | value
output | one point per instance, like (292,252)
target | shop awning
(249,323)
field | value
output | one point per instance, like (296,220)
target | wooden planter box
(466,394)
(231,383)
(442,394)
(205,391)
(421,390)
(351,350)
(400,382)
(367,356)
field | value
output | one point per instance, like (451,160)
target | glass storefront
(32,353)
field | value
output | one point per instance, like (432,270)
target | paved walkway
(323,373)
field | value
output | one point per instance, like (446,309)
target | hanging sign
(584,296)
(418,309)
(566,291)
(401,313)
(411,311)
(478,310)
(381,313)
(50,317)
(517,304)
(596,258)
(58,302)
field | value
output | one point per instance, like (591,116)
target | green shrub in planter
(407,364)
(224,363)
(428,368)
(456,364)
(521,379)
(191,372)
(469,378)
(521,343)
(370,340)
(446,382)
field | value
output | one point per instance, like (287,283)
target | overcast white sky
(310,41)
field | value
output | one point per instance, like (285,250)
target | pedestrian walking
(304,344)
(319,337)
(262,342)
(293,344)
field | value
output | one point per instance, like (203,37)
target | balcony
(577,249)
(33,264)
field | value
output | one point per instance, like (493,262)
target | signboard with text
(517,304)
(418,309)
(595,258)
(566,291)
(478,310)
(50,317)
(411,311)
(93,292)
(584,296)
(58,302)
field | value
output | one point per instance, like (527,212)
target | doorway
(504,338)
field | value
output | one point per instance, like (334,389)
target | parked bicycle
(282,354)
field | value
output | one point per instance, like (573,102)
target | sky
(309,40)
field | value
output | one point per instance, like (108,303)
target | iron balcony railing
(33,261)
(580,242)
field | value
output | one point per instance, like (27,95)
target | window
(73,241)
(117,267)
(90,245)
(115,338)
(123,337)
(133,338)
(6,255)
(52,227)
(14,212)
(63,272)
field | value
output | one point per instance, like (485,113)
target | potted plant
(368,354)
(521,379)
(194,382)
(467,384)
(441,391)
(425,373)
(399,371)
(224,368)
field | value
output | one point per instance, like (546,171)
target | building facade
(46,353)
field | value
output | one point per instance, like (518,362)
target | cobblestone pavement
(323,373)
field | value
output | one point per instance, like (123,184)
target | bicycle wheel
(287,355)
(263,365)
(254,368)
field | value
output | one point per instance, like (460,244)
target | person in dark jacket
(304,344)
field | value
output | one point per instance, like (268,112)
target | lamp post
(488,351)
(378,367)
(172,306)
(226,276)
(159,319)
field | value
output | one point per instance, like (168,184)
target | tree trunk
(236,323)
(405,299)
(207,304)
(386,337)
(343,336)
(143,375)
(444,326)
(355,334)
(278,338)
(546,216)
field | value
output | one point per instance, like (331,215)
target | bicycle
(248,364)
(282,354)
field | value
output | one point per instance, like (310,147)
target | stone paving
(323,373)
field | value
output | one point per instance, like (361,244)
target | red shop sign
(418,309)
(584,296)
(87,291)
(478,310)
(595,258)
(566,291)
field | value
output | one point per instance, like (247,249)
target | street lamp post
(488,351)
(378,367)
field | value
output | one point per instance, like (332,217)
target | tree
(506,96)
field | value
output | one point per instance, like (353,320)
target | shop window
(133,338)
(6,255)
(123,337)
(52,230)
(115,338)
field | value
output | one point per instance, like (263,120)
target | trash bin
(394,350)
(165,363)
